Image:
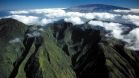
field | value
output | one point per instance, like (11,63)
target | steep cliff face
(93,55)
(35,55)
(42,58)
(11,35)
(62,50)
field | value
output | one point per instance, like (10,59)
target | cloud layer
(110,21)
(45,16)
(25,19)
(127,11)
(133,39)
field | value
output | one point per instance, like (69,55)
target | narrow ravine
(27,44)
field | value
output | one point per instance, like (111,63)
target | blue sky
(29,4)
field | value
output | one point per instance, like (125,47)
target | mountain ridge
(99,5)
(63,50)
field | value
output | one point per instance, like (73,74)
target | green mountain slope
(62,50)
(10,49)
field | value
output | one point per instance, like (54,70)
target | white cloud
(131,18)
(75,14)
(96,23)
(133,39)
(16,40)
(83,17)
(39,11)
(25,19)
(19,12)
(103,16)
(127,11)
(74,20)
(33,34)
(32,20)
(45,21)
(52,14)
(115,28)
(47,11)
(60,13)
(116,31)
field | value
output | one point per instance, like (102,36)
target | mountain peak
(99,5)
(95,7)
(11,27)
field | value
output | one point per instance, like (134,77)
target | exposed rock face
(65,51)
(93,55)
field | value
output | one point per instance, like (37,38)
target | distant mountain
(95,7)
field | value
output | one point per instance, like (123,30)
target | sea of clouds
(116,20)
